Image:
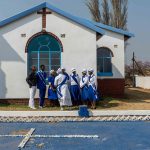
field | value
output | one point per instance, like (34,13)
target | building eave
(56,10)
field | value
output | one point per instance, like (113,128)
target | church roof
(97,27)
(120,31)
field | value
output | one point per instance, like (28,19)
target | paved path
(93,113)
(112,136)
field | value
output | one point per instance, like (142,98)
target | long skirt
(75,92)
(85,94)
(52,95)
(93,94)
(65,98)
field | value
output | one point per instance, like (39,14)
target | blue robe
(75,88)
(41,85)
(41,79)
(84,90)
(93,94)
(52,95)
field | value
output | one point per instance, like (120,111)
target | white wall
(143,82)
(13,58)
(79,50)
(110,40)
(79,44)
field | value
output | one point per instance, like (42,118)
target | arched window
(44,49)
(104,64)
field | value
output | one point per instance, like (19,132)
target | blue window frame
(104,62)
(45,50)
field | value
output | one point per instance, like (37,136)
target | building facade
(47,35)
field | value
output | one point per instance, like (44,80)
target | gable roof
(54,9)
(110,28)
(97,27)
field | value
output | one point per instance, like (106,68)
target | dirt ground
(135,99)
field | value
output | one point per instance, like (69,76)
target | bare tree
(114,12)
(106,12)
(93,6)
(119,13)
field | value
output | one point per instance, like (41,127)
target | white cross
(29,135)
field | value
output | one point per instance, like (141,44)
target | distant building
(47,35)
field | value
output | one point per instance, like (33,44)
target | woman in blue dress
(75,87)
(93,96)
(84,87)
(52,93)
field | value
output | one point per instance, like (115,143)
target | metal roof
(97,27)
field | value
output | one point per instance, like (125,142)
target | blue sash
(66,75)
(74,78)
(94,88)
(40,74)
(83,82)
(60,85)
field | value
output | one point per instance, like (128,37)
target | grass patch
(5,107)
(135,99)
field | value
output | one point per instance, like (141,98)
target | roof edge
(54,9)
(22,14)
(120,31)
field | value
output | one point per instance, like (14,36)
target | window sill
(109,74)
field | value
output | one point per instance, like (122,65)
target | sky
(138,20)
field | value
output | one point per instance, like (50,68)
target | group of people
(67,89)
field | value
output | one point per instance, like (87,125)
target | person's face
(43,68)
(90,73)
(53,73)
(74,72)
(83,73)
(63,70)
(34,69)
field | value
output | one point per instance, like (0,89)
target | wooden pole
(133,71)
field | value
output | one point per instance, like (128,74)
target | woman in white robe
(93,94)
(61,82)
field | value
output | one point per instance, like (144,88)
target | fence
(143,82)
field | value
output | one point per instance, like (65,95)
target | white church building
(47,35)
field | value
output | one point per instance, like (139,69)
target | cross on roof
(44,13)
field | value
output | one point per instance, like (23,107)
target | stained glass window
(45,50)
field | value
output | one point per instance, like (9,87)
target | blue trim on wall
(105,74)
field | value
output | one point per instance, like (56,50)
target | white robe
(65,99)
(72,82)
(84,82)
(93,82)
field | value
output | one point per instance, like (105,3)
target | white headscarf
(73,70)
(84,71)
(91,70)
(63,68)
(59,71)
(52,71)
